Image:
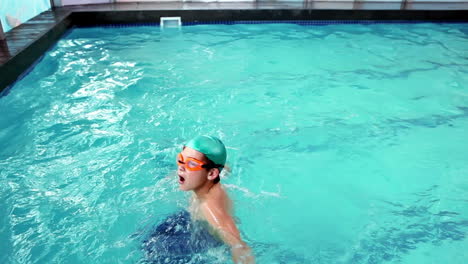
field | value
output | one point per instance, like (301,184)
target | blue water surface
(346,143)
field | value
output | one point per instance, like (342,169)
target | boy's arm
(226,227)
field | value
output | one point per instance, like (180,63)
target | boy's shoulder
(218,193)
(219,199)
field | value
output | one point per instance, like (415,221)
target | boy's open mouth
(181,179)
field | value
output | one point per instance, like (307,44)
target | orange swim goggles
(191,164)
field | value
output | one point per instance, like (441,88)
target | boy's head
(200,161)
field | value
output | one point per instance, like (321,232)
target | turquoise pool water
(347,143)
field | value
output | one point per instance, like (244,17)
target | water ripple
(413,225)
(87,140)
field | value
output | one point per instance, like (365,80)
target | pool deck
(25,44)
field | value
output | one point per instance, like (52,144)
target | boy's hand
(242,254)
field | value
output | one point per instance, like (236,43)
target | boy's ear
(213,174)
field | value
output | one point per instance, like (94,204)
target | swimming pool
(346,142)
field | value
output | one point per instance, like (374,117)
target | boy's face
(190,180)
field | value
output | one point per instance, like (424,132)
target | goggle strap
(213,166)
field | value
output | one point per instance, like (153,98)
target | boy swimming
(199,165)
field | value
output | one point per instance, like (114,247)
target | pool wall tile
(119,17)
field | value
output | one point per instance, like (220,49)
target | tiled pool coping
(28,42)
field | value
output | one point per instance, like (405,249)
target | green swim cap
(212,147)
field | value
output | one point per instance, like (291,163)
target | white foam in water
(170,22)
